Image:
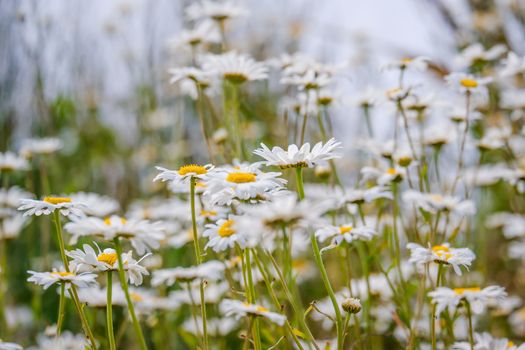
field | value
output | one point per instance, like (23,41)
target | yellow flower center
(461,291)
(261,309)
(62,273)
(345,229)
(235,77)
(108,222)
(136,297)
(225,230)
(207,213)
(391,171)
(57,200)
(437,197)
(442,251)
(406,60)
(241,178)
(510,344)
(468,83)
(200,184)
(192,169)
(108,258)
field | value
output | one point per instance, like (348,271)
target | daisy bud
(404,161)
(220,136)
(322,171)
(351,305)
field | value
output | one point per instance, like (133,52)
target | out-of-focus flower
(441,254)
(9,161)
(476,54)
(446,298)
(216,10)
(65,205)
(296,157)
(212,270)
(66,341)
(233,67)
(40,146)
(512,65)
(433,203)
(184,173)
(346,232)
(467,83)
(203,33)
(239,309)
(418,63)
(96,204)
(46,279)
(485,341)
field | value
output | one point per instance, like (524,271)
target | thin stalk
(433,315)
(124,283)
(109,310)
(198,257)
(470,328)
(329,289)
(61,308)
(463,142)
(256,333)
(299,178)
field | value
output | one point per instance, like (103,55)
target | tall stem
(433,315)
(109,310)
(61,308)
(299,178)
(470,328)
(124,283)
(199,261)
(329,289)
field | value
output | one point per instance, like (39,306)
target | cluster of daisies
(383,241)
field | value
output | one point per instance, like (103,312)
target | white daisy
(143,234)
(296,157)
(46,279)
(40,146)
(11,197)
(346,232)
(309,80)
(213,9)
(184,173)
(485,341)
(441,254)
(476,54)
(418,63)
(512,65)
(11,226)
(467,83)
(212,270)
(383,177)
(9,346)
(239,309)
(233,67)
(65,205)
(226,233)
(217,327)
(434,203)
(202,33)
(446,298)
(88,260)
(66,341)
(9,161)
(96,204)
(241,183)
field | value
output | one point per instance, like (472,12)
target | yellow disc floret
(345,229)
(192,169)
(225,230)
(63,273)
(240,178)
(469,83)
(108,258)
(461,291)
(57,200)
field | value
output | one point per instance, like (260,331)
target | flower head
(441,254)
(233,67)
(239,309)
(9,161)
(46,279)
(65,205)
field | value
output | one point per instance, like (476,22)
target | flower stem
(470,328)
(73,290)
(124,283)
(109,310)
(433,315)
(331,294)
(299,178)
(199,261)
(61,308)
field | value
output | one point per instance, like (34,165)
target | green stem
(331,294)
(198,257)
(124,283)
(433,315)
(256,333)
(299,178)
(61,308)
(470,328)
(109,310)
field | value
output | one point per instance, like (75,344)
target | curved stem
(109,310)
(124,283)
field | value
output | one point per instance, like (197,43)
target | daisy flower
(217,327)
(212,270)
(96,204)
(11,197)
(239,309)
(296,157)
(184,173)
(66,340)
(233,67)
(226,233)
(441,254)
(143,234)
(309,80)
(476,54)
(345,232)
(383,177)
(65,205)
(9,161)
(40,146)
(241,183)
(203,33)
(446,298)
(467,83)
(434,203)
(11,226)
(418,63)
(88,260)
(219,11)
(46,279)
(485,341)
(512,65)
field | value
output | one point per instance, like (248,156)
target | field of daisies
(249,220)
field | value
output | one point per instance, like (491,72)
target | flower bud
(351,305)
